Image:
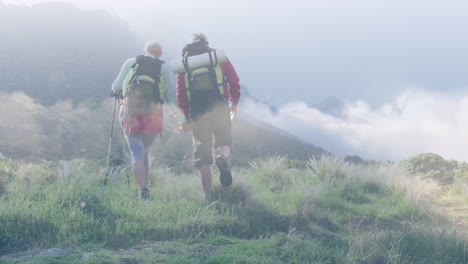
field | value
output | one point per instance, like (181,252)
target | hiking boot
(143,194)
(225,175)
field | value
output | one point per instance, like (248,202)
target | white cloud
(416,121)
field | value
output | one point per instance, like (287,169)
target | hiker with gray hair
(143,84)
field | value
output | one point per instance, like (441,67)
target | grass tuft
(272,172)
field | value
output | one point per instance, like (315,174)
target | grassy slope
(331,213)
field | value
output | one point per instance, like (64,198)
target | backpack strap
(162,91)
(134,69)
(189,77)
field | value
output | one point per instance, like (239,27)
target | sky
(307,50)
(400,65)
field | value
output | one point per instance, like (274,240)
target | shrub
(460,181)
(431,166)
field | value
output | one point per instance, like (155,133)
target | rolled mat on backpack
(198,61)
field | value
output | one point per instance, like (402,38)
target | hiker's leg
(205,176)
(137,153)
(221,123)
(202,155)
(148,140)
(146,160)
(139,170)
(224,150)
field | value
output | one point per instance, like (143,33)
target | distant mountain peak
(331,105)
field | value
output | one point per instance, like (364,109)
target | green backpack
(141,90)
(205,81)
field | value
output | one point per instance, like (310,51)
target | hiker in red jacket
(203,94)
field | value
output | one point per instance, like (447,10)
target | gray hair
(152,47)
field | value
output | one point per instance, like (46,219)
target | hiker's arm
(232,80)
(118,82)
(170,96)
(181,93)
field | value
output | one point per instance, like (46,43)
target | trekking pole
(110,142)
(125,154)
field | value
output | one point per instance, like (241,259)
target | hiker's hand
(233,109)
(114,94)
(187,126)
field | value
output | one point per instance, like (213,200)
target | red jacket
(231,86)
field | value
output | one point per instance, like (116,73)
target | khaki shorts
(212,124)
